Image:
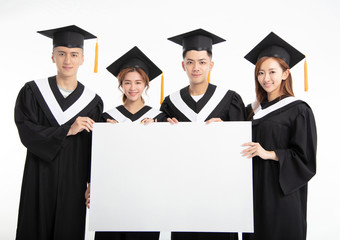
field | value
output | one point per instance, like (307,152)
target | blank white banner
(163,177)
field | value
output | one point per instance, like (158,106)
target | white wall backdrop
(312,26)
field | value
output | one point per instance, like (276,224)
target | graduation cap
(198,39)
(135,58)
(274,46)
(71,37)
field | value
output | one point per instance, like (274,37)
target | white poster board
(163,177)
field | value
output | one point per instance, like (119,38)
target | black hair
(209,52)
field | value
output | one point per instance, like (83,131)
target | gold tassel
(209,77)
(162,88)
(96,58)
(306,75)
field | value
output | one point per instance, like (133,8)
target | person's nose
(266,77)
(67,59)
(196,67)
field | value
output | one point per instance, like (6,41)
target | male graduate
(201,101)
(54,117)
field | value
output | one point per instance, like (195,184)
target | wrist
(273,156)
(69,133)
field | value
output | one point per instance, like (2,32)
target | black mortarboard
(198,39)
(135,58)
(274,46)
(69,36)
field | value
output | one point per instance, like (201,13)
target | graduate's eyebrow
(270,69)
(61,51)
(128,80)
(202,59)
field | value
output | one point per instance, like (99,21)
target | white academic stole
(215,99)
(260,113)
(121,118)
(63,116)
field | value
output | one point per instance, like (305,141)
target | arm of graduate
(86,122)
(105,117)
(249,112)
(80,124)
(255,149)
(35,131)
(166,113)
(41,140)
(237,110)
(211,120)
(162,117)
(298,162)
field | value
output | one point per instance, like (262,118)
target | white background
(312,26)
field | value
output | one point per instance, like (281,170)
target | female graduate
(134,70)
(284,144)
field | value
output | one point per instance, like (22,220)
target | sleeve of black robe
(166,111)
(249,112)
(35,132)
(105,116)
(162,117)
(298,162)
(237,109)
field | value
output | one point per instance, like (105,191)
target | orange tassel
(306,75)
(209,77)
(162,88)
(96,58)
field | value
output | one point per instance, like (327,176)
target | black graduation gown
(122,115)
(226,105)
(280,187)
(52,203)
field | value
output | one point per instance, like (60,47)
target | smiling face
(197,65)
(67,60)
(133,86)
(270,77)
